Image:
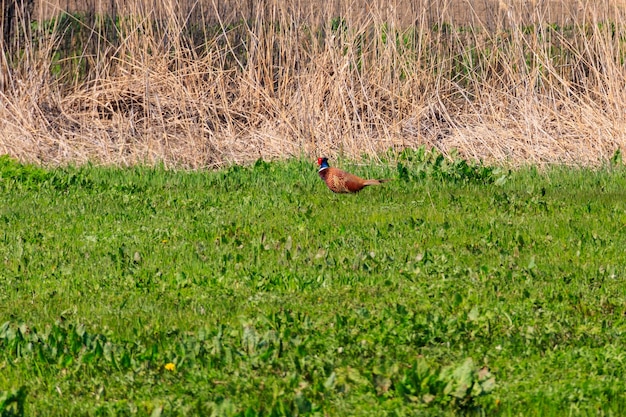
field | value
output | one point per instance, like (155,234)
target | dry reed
(203,84)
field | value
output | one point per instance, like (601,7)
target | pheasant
(340,181)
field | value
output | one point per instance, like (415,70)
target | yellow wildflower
(170,366)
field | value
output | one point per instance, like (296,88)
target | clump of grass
(204,85)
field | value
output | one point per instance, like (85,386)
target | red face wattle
(319,161)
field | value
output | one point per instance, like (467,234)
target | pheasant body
(340,181)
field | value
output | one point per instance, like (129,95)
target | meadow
(456,288)
(167,247)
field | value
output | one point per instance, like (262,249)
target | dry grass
(496,81)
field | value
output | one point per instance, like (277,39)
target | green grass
(452,289)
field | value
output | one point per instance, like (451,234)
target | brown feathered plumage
(340,181)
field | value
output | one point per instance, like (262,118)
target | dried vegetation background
(207,83)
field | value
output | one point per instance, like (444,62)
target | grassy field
(256,291)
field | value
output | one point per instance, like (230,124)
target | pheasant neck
(322,169)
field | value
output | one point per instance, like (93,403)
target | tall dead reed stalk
(202,84)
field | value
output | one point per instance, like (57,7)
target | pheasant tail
(375,182)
